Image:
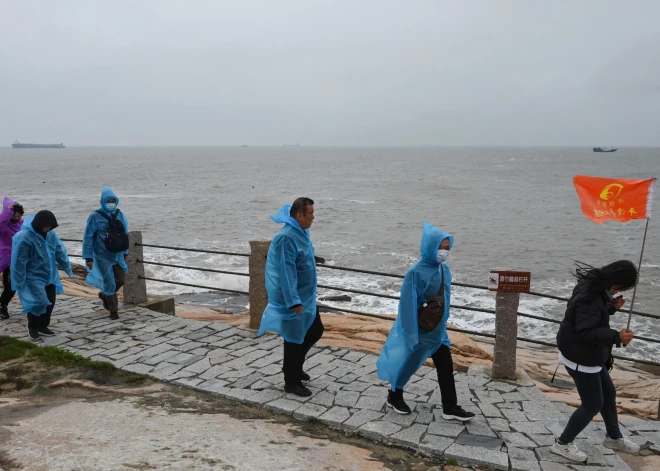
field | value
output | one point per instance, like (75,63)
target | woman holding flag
(585,341)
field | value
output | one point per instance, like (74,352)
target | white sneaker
(622,444)
(569,451)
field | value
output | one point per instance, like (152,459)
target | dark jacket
(585,336)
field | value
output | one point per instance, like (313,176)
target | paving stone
(523,460)
(360,418)
(544,454)
(400,419)
(490,410)
(358,386)
(649,426)
(409,437)
(188,382)
(653,437)
(424,418)
(309,411)
(371,403)
(235,374)
(550,466)
(267,360)
(214,372)
(240,395)
(335,416)
(489,397)
(530,428)
(542,440)
(513,415)
(264,397)
(478,441)
(445,428)
(213,385)
(139,368)
(347,398)
(510,405)
(199,367)
(499,425)
(421,388)
(375,391)
(517,440)
(283,405)
(502,387)
(247,381)
(479,456)
(323,398)
(479,426)
(435,445)
(378,430)
(160,357)
(271,370)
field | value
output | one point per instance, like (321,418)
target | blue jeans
(598,395)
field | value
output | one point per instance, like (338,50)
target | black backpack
(116,239)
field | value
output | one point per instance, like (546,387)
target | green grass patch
(58,357)
(11,348)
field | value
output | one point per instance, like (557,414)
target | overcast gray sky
(330,72)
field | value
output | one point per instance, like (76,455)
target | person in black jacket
(585,341)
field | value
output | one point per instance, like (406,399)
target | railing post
(135,289)
(506,335)
(258,295)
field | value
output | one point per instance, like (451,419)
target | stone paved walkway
(514,427)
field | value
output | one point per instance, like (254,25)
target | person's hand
(619,302)
(626,336)
(297,310)
(90,264)
(11,207)
(319,259)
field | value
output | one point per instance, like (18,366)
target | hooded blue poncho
(101,276)
(290,280)
(34,261)
(407,347)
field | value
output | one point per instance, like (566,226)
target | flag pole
(639,269)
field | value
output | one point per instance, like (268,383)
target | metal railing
(369,293)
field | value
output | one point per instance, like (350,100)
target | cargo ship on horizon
(20,145)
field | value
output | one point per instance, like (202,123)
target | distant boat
(19,145)
(605,149)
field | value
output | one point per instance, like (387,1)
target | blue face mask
(111,206)
(443,255)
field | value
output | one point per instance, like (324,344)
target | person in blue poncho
(291,286)
(35,256)
(420,329)
(106,265)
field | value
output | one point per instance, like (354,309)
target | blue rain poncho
(34,262)
(408,346)
(101,275)
(290,280)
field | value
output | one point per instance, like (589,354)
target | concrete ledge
(162,304)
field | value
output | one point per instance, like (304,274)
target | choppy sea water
(507,208)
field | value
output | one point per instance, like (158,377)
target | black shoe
(4,312)
(297,389)
(114,316)
(46,332)
(33,333)
(395,401)
(304,376)
(103,298)
(457,413)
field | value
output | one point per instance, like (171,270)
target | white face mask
(443,255)
(111,206)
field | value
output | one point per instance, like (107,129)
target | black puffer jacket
(585,336)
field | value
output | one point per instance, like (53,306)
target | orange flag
(609,199)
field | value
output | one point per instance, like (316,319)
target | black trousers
(7,293)
(295,353)
(39,322)
(598,395)
(444,366)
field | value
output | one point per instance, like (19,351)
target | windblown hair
(621,273)
(300,206)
